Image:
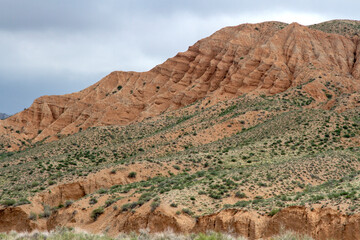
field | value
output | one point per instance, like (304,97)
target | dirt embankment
(106,178)
(319,223)
(15,219)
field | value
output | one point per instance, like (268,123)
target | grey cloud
(44,42)
(93,14)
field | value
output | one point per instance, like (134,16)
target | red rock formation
(15,219)
(265,58)
(321,224)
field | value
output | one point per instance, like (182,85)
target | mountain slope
(348,28)
(265,58)
(3,116)
(240,164)
(253,131)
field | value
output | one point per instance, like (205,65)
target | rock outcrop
(321,223)
(265,58)
(15,219)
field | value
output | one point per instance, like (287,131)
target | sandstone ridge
(265,58)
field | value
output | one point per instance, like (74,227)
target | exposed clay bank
(318,223)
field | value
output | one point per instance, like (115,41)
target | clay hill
(252,131)
(266,58)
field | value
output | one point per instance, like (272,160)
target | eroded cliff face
(321,223)
(104,179)
(15,219)
(265,58)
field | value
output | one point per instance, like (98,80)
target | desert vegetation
(68,234)
(258,153)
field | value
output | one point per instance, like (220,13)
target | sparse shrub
(155,204)
(102,191)
(187,211)
(51,182)
(68,203)
(317,197)
(46,213)
(93,201)
(109,202)
(176,167)
(34,184)
(22,201)
(60,206)
(132,175)
(125,207)
(145,197)
(96,213)
(273,212)
(215,195)
(239,194)
(33,216)
(129,206)
(8,202)
(174,205)
(242,204)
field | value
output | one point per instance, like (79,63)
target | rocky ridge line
(266,58)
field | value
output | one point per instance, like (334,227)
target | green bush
(176,167)
(132,175)
(102,191)
(174,205)
(155,204)
(8,202)
(47,212)
(93,201)
(68,203)
(109,202)
(96,213)
(273,212)
(145,197)
(242,204)
(129,206)
(33,216)
(22,201)
(51,182)
(239,194)
(187,211)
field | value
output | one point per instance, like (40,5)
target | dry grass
(65,234)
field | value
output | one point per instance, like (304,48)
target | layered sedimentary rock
(265,58)
(321,224)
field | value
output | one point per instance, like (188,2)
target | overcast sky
(61,46)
